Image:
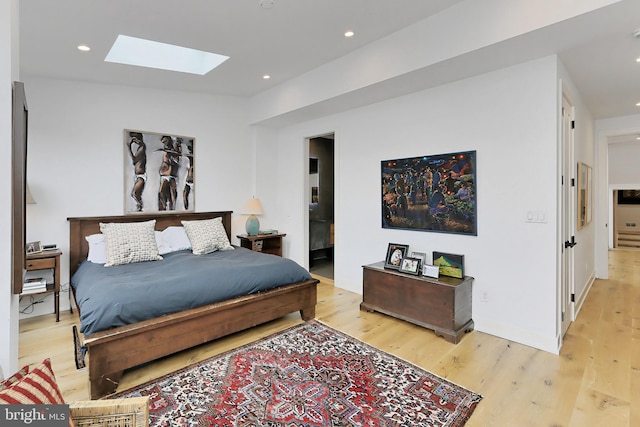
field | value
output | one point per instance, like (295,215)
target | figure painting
(158,172)
(430,193)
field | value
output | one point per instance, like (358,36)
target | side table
(267,243)
(47,260)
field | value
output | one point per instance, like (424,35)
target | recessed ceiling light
(637,104)
(266,77)
(637,59)
(84,48)
(163,56)
(349,33)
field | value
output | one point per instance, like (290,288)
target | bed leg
(308,313)
(105,384)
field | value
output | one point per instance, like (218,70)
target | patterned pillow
(207,236)
(14,378)
(130,242)
(37,387)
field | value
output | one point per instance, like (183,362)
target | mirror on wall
(314,183)
(584,195)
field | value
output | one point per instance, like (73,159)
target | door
(568,216)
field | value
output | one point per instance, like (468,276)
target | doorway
(625,224)
(321,205)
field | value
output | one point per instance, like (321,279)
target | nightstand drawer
(40,264)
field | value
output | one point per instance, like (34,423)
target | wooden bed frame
(112,351)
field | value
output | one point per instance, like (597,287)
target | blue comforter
(120,295)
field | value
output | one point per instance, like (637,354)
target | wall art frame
(584,195)
(629,197)
(436,193)
(159,172)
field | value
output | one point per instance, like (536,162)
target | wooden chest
(443,304)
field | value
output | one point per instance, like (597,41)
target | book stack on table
(34,285)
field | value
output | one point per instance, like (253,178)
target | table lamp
(252,208)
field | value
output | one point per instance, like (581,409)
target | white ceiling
(284,41)
(295,36)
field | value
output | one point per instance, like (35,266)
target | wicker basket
(129,412)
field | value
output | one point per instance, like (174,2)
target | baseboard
(582,297)
(549,344)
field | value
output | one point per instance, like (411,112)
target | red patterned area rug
(308,375)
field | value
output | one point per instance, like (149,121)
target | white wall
(625,158)
(510,118)
(76,152)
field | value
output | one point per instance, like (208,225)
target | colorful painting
(430,193)
(449,264)
(158,172)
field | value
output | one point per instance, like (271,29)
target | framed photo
(159,172)
(451,265)
(432,271)
(421,255)
(395,253)
(410,265)
(34,247)
(431,193)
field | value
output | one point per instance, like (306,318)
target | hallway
(607,334)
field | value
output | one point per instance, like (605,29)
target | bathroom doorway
(321,205)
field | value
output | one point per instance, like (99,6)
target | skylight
(152,54)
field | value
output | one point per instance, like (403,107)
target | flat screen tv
(19,185)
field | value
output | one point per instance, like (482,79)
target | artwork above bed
(158,172)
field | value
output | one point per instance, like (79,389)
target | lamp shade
(252,208)
(29,197)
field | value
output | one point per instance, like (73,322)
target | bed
(117,348)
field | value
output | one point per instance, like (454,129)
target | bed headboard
(81,227)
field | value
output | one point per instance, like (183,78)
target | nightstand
(43,261)
(266,243)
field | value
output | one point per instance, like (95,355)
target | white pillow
(207,235)
(130,242)
(163,247)
(176,238)
(97,253)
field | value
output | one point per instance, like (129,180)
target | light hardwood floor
(595,381)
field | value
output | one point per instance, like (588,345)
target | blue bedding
(120,295)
